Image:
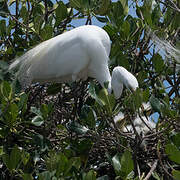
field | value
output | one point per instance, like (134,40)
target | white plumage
(77,54)
(120,77)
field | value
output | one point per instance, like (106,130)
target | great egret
(77,54)
(120,77)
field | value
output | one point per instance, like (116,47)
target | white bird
(140,126)
(120,77)
(77,54)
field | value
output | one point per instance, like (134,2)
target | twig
(151,170)
(160,160)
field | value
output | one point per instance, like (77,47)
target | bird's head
(120,77)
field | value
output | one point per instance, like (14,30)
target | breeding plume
(77,54)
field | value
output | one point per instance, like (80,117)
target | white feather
(77,54)
(120,77)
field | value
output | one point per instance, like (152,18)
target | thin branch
(151,170)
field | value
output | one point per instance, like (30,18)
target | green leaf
(36,111)
(47,32)
(1,151)
(176,139)
(116,164)
(26,176)
(93,94)
(125,6)
(14,112)
(46,175)
(25,157)
(108,100)
(155,104)
(37,120)
(145,95)
(3,8)
(37,23)
(91,175)
(24,13)
(38,10)
(102,19)
(76,162)
(6,90)
(61,13)
(11,114)
(77,4)
(176,174)
(62,164)
(4,65)
(126,29)
(22,104)
(118,10)
(88,116)
(156,14)
(101,7)
(173,153)
(158,63)
(3,27)
(137,98)
(76,127)
(125,62)
(126,163)
(7,162)
(46,110)
(13,160)
(15,157)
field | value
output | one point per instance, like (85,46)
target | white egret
(120,77)
(77,54)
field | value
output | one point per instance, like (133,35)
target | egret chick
(120,77)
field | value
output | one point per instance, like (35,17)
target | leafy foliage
(66,131)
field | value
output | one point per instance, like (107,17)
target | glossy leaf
(116,164)
(6,90)
(91,175)
(176,174)
(37,120)
(155,103)
(126,163)
(26,176)
(175,137)
(102,19)
(13,160)
(76,127)
(93,94)
(3,27)
(61,12)
(173,153)
(158,63)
